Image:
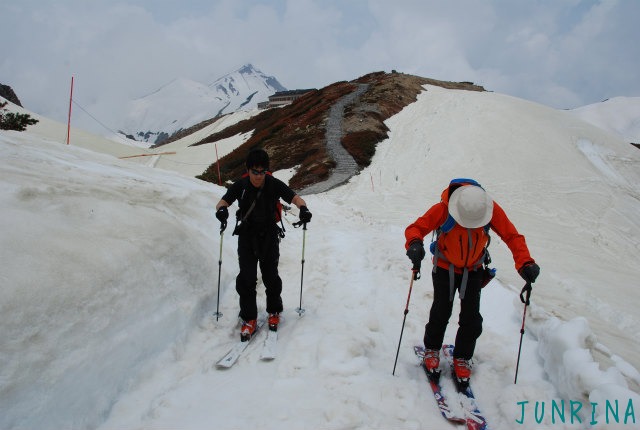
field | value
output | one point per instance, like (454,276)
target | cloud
(563,54)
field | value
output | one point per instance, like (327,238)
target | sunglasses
(258,172)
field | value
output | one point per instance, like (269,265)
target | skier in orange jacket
(462,220)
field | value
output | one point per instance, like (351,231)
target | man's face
(256,176)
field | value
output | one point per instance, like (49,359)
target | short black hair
(257,158)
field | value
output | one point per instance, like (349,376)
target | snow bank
(99,252)
(566,349)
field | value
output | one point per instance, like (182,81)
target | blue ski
(441,400)
(474,418)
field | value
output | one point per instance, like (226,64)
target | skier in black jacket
(258,194)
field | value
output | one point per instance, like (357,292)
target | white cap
(471,206)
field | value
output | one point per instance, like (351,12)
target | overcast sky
(562,53)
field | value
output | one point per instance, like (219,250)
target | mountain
(7,92)
(183,102)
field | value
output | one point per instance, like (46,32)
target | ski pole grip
(416,272)
(300,223)
(526,289)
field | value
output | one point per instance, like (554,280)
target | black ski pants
(469,320)
(261,248)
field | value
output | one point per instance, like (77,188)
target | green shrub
(14,121)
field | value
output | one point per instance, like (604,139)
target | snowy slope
(178,156)
(619,115)
(111,269)
(57,132)
(184,102)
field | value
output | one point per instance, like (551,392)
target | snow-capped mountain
(183,102)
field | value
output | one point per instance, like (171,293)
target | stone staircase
(346,166)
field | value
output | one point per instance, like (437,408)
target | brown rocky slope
(294,135)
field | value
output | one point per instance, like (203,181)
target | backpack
(465,248)
(277,212)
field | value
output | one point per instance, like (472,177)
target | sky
(564,54)
(110,269)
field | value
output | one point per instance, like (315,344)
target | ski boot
(247,329)
(431,363)
(274,320)
(462,373)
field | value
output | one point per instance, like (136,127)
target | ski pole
(414,275)
(527,289)
(300,310)
(218,314)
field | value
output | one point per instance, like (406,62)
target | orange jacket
(500,223)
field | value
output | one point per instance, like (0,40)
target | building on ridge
(283,98)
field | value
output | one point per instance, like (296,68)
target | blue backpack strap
(448,224)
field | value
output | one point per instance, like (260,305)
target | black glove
(305,215)
(416,253)
(529,272)
(222,214)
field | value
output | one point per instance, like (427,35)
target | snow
(618,115)
(110,270)
(179,156)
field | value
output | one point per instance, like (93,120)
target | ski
(270,347)
(236,351)
(474,418)
(441,400)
